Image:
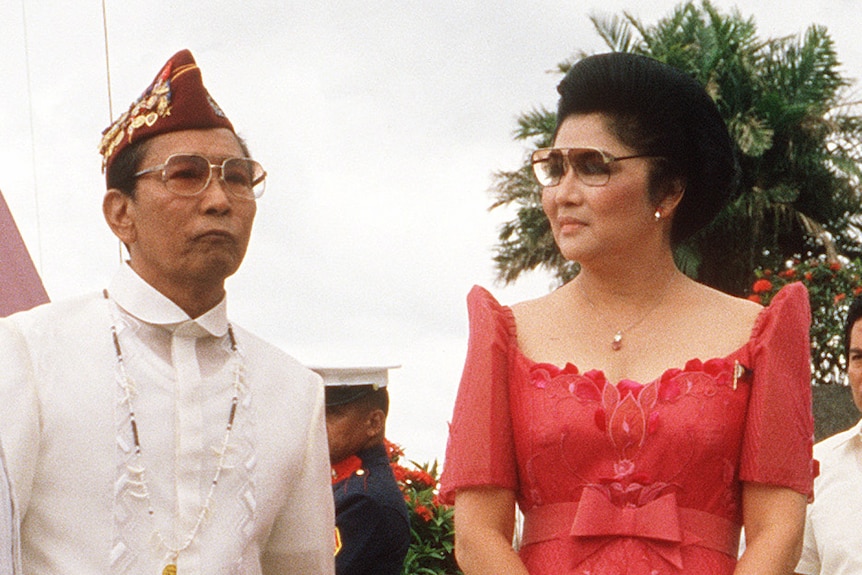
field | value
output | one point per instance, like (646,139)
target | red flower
(423,512)
(835,266)
(839,297)
(755,298)
(767,272)
(401,474)
(393,450)
(788,273)
(421,477)
(857,290)
(762,285)
(808,276)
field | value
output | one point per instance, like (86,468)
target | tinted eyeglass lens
(590,166)
(186,175)
(243,177)
(549,166)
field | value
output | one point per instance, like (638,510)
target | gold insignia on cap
(175,100)
(153,104)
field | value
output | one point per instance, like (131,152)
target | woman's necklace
(140,471)
(617,341)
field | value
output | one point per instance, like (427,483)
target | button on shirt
(833,526)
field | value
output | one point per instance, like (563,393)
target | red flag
(20,285)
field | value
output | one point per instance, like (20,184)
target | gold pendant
(169,569)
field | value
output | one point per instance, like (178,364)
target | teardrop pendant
(617,343)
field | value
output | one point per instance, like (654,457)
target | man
(145,433)
(833,526)
(372,530)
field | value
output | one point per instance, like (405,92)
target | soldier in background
(372,529)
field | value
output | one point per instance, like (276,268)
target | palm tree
(786,106)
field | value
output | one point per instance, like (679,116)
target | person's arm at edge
(809,562)
(774,519)
(484,526)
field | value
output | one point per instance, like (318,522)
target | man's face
(194,242)
(347,428)
(854,363)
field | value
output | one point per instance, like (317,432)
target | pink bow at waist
(595,521)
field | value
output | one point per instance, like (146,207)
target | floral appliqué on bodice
(629,413)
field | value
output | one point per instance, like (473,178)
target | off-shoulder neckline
(757,326)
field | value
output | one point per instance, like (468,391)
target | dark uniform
(372,526)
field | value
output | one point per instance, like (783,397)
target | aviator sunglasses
(592,166)
(190,174)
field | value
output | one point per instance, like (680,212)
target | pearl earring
(657,214)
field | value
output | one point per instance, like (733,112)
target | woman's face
(600,221)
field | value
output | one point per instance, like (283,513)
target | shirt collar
(141,300)
(852,435)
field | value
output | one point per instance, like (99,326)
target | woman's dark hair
(121,173)
(656,109)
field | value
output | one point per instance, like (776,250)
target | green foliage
(432,524)
(797,141)
(831,288)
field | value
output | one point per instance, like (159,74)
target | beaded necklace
(140,471)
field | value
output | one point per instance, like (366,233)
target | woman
(636,417)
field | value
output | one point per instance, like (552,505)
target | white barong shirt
(70,449)
(833,524)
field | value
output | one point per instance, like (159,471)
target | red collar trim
(345,468)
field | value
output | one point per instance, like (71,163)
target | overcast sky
(380,124)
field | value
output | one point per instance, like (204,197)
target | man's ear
(375,423)
(119,211)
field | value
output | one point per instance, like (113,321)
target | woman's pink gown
(633,478)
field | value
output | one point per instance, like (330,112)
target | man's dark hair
(375,400)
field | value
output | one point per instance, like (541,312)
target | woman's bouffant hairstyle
(656,109)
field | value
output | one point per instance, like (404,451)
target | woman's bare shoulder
(540,308)
(724,302)
(720,316)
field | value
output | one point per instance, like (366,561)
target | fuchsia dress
(633,479)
